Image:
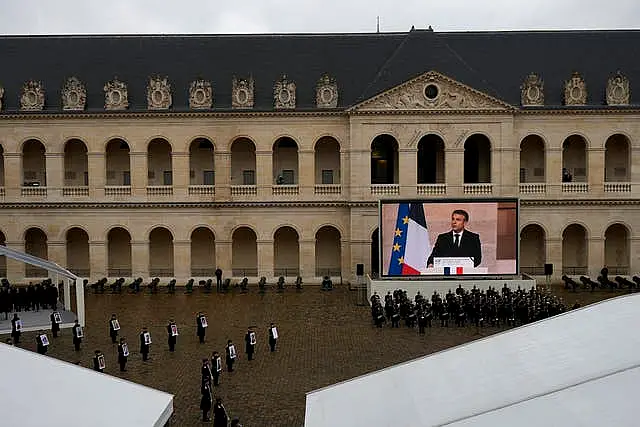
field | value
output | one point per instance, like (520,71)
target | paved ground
(325,337)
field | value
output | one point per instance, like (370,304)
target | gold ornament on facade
(1,96)
(158,93)
(200,95)
(532,91)
(74,95)
(116,95)
(326,92)
(575,90)
(242,93)
(284,94)
(32,98)
(618,90)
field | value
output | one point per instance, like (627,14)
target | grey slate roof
(364,65)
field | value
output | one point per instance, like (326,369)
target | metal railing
(244,272)
(203,272)
(573,270)
(331,272)
(161,272)
(286,271)
(532,271)
(119,272)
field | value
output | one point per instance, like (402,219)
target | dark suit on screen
(469,247)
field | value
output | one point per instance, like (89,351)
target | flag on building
(411,244)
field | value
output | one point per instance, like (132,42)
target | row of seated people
(603,281)
(476,307)
(207,285)
(27,298)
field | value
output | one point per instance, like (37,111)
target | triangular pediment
(432,91)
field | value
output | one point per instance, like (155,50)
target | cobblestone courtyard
(325,337)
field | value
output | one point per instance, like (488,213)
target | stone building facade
(126,167)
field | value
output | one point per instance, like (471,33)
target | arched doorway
(203,253)
(35,243)
(78,252)
(328,252)
(532,160)
(285,161)
(384,160)
(76,164)
(34,165)
(243,162)
(477,160)
(616,249)
(159,163)
(431,160)
(244,252)
(286,252)
(160,252)
(119,253)
(201,162)
(327,161)
(574,158)
(3,259)
(532,250)
(617,164)
(118,172)
(574,250)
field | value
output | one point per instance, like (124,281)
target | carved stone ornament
(284,93)
(116,95)
(433,91)
(532,90)
(74,95)
(1,96)
(575,90)
(200,95)
(32,98)
(158,94)
(618,90)
(242,93)
(327,92)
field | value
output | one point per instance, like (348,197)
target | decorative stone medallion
(575,90)
(158,93)
(532,91)
(326,92)
(32,98)
(618,90)
(116,95)
(1,96)
(242,93)
(284,93)
(74,95)
(200,95)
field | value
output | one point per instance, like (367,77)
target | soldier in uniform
(201,328)
(250,343)
(77,335)
(216,368)
(206,400)
(96,361)
(16,328)
(220,417)
(41,343)
(144,346)
(273,336)
(172,336)
(206,371)
(123,354)
(113,332)
(55,326)
(231,354)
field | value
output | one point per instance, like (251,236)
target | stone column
(265,258)
(181,174)
(139,174)
(553,171)
(56,252)
(595,172)
(97,174)
(595,257)
(345,169)
(347,271)
(15,269)
(553,247)
(307,259)
(97,259)
(55,175)
(507,172)
(408,173)
(264,175)
(454,171)
(634,257)
(140,259)
(306,173)
(223,257)
(181,260)
(13,175)
(222,165)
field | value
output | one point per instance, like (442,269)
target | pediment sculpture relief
(326,92)
(74,95)
(32,98)
(433,91)
(532,91)
(158,93)
(200,95)
(618,90)
(284,94)
(575,90)
(116,95)
(242,93)
(1,96)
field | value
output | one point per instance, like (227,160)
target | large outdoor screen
(449,237)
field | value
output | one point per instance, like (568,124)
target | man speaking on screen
(458,242)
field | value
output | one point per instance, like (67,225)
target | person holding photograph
(145,344)
(16,329)
(55,325)
(77,335)
(123,354)
(42,342)
(458,242)
(114,327)
(98,361)
(172,335)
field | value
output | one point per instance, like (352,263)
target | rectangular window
(248,177)
(327,176)
(208,177)
(167,178)
(86,179)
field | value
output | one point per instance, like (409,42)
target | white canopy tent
(38,390)
(55,273)
(580,368)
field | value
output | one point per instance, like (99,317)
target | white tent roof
(567,370)
(38,262)
(39,390)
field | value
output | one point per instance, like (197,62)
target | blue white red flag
(411,244)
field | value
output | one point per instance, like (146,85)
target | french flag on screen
(458,270)
(411,244)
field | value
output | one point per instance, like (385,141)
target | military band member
(232,354)
(114,327)
(250,341)
(216,368)
(273,336)
(172,333)
(78,333)
(56,319)
(145,344)
(206,400)
(16,329)
(206,371)
(42,342)
(123,354)
(201,323)
(98,361)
